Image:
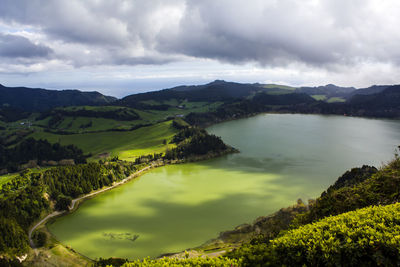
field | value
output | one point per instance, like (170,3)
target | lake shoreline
(269,157)
(75,203)
(251,115)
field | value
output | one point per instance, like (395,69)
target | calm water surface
(283,158)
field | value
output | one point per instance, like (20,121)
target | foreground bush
(365,237)
(205,262)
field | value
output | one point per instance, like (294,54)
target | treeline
(73,181)
(12,158)
(341,238)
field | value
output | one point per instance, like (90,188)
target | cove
(283,157)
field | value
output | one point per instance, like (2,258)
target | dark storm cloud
(274,33)
(268,32)
(20,47)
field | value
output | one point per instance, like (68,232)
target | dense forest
(39,151)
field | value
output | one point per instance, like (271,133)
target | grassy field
(127,145)
(280,92)
(81,124)
(335,100)
(319,97)
(329,100)
(151,116)
(285,87)
(57,255)
(93,135)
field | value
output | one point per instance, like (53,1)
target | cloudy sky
(120,47)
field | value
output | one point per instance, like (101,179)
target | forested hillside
(38,152)
(25,198)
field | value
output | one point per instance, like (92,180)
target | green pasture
(280,92)
(285,87)
(91,124)
(80,124)
(336,99)
(127,145)
(319,97)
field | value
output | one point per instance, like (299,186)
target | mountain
(330,90)
(388,99)
(35,99)
(211,92)
(368,91)
(385,104)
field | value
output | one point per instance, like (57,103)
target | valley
(282,157)
(199,133)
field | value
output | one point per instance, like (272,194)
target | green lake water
(283,158)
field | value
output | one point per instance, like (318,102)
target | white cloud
(348,42)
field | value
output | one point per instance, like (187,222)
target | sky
(121,47)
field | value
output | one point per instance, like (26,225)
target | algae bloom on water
(283,158)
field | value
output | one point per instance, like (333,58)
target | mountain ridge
(38,99)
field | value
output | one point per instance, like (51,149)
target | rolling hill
(35,99)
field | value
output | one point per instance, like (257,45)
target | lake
(283,157)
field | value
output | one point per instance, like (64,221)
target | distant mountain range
(30,99)
(380,100)
(215,91)
(222,91)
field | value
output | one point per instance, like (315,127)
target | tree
(63,202)
(39,238)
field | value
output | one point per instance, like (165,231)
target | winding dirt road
(74,201)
